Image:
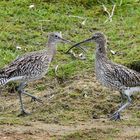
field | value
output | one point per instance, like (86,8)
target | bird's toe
(36,99)
(115,116)
(23,113)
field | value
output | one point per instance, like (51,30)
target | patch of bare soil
(42,131)
(39,130)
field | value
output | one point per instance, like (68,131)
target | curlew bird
(112,75)
(30,67)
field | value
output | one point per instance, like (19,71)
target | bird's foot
(115,116)
(36,99)
(24,113)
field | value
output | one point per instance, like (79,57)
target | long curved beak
(78,44)
(70,42)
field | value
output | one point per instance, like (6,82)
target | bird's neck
(101,50)
(51,49)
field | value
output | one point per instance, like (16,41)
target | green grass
(21,26)
(28,28)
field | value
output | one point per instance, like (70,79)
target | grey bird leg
(123,98)
(116,115)
(23,112)
(22,85)
(21,91)
(33,97)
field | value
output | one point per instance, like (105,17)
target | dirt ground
(41,131)
(79,125)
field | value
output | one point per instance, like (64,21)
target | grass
(93,134)
(77,96)
(21,26)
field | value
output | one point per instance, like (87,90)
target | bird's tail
(3,78)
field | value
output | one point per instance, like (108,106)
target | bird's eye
(56,36)
(95,36)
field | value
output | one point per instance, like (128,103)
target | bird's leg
(33,97)
(116,115)
(123,98)
(22,86)
(23,112)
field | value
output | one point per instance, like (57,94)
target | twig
(77,17)
(110,15)
(56,68)
(83,22)
(105,9)
(80,56)
(113,9)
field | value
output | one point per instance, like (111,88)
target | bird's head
(98,38)
(56,37)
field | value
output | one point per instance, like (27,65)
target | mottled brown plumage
(113,75)
(31,66)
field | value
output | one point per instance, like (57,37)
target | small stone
(31,6)
(113,52)
(18,47)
